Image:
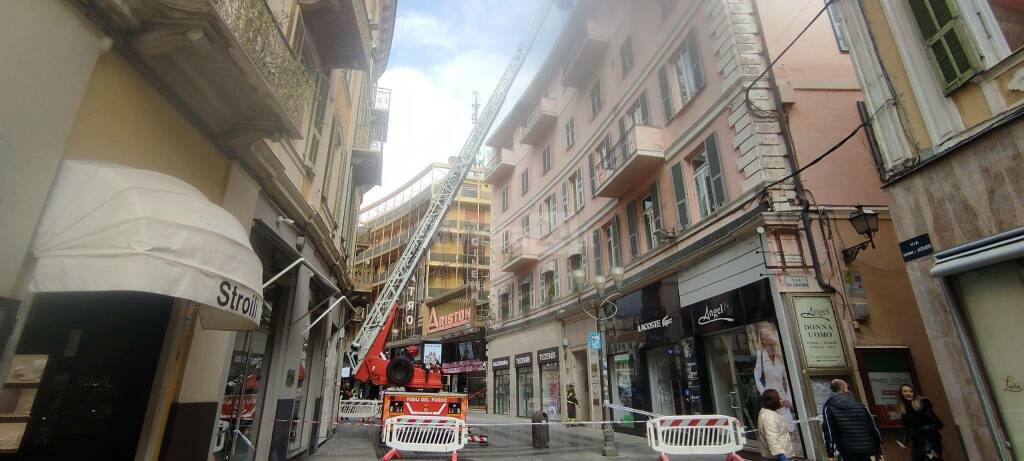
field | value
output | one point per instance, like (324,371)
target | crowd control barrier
(435,434)
(696,435)
(359,409)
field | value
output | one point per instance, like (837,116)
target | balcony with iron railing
(631,160)
(499,166)
(226,63)
(368,154)
(585,55)
(341,29)
(518,255)
(362,278)
(539,121)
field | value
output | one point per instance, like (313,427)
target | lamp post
(865,222)
(601,314)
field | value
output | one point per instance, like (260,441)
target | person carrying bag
(920,425)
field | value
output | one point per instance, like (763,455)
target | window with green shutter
(634,240)
(946,38)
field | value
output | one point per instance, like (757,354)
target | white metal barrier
(436,434)
(359,409)
(695,435)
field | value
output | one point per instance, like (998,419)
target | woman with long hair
(773,427)
(920,425)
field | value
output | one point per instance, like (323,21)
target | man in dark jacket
(850,431)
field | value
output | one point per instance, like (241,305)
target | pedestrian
(850,431)
(920,425)
(571,403)
(773,426)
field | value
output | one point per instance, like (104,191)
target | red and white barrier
(695,435)
(359,409)
(435,434)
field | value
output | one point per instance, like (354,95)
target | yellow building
(446,302)
(944,86)
(179,183)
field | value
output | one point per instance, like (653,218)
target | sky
(442,52)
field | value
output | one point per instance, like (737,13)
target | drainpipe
(787,137)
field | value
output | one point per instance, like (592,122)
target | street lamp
(865,222)
(579,278)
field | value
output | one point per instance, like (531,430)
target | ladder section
(439,205)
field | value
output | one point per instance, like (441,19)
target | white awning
(107,227)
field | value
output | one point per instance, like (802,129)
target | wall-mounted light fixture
(865,222)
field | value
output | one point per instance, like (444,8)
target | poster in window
(819,332)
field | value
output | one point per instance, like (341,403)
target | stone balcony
(226,63)
(631,160)
(585,56)
(519,255)
(341,29)
(539,121)
(499,166)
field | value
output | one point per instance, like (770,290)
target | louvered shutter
(666,94)
(949,45)
(679,185)
(715,170)
(631,227)
(598,261)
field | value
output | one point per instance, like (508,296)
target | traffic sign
(595,340)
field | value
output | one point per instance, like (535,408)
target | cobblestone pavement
(358,443)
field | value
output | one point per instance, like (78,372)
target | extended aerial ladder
(366,356)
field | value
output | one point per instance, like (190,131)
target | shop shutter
(679,185)
(715,170)
(949,45)
(634,240)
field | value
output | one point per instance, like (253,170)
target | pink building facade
(638,146)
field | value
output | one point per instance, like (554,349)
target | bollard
(541,434)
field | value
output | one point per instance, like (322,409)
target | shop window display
(244,391)
(524,391)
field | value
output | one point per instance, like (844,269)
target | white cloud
(440,58)
(420,30)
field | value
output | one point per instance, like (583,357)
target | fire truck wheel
(400,371)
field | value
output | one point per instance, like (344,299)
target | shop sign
(524,360)
(499,363)
(819,332)
(749,304)
(465,366)
(432,354)
(660,323)
(450,320)
(548,355)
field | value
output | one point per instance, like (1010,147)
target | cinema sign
(450,320)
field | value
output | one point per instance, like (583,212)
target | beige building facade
(948,128)
(161,162)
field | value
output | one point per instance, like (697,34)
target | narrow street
(357,443)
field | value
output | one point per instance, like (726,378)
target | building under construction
(444,308)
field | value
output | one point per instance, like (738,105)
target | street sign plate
(595,340)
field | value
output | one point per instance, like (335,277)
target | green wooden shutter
(656,202)
(696,63)
(565,200)
(717,191)
(634,240)
(666,94)
(946,38)
(593,175)
(598,262)
(679,184)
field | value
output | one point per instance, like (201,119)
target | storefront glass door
(731,372)
(550,390)
(524,391)
(659,369)
(501,394)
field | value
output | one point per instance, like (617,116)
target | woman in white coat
(772,426)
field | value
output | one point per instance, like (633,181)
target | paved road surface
(357,443)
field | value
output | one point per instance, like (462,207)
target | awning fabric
(107,227)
